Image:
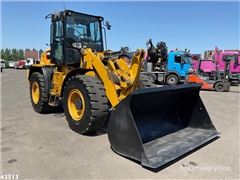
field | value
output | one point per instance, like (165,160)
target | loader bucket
(157,125)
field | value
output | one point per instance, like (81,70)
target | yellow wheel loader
(149,124)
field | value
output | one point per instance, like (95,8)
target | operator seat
(87,41)
(70,33)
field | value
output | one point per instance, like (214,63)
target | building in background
(31,54)
(197,55)
(209,54)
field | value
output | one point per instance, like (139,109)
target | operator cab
(71,31)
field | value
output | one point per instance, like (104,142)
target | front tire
(172,80)
(85,103)
(38,94)
(219,87)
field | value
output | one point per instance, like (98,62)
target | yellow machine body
(128,77)
(149,124)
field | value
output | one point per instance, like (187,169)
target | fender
(72,73)
(173,72)
(47,73)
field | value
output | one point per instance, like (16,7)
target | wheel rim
(172,81)
(220,86)
(35,92)
(76,105)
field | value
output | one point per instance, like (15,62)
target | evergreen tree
(14,54)
(7,54)
(21,54)
(2,53)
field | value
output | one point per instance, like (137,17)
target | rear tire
(38,94)
(146,82)
(172,80)
(85,103)
(219,87)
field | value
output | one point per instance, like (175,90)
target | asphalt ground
(37,146)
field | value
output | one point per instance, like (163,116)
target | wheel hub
(220,86)
(172,80)
(78,104)
(35,92)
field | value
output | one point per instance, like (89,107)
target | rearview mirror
(236,59)
(108,25)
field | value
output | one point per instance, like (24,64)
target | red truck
(20,64)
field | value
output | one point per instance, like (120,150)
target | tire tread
(44,107)
(98,102)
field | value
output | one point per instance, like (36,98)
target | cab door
(57,40)
(180,65)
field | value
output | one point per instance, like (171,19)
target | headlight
(77,45)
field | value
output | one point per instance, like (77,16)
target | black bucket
(157,125)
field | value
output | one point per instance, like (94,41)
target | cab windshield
(187,59)
(84,28)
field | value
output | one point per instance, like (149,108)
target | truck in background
(15,65)
(20,64)
(29,62)
(25,64)
(207,67)
(234,74)
(6,64)
(166,68)
(2,64)
(11,64)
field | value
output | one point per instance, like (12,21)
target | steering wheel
(81,35)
